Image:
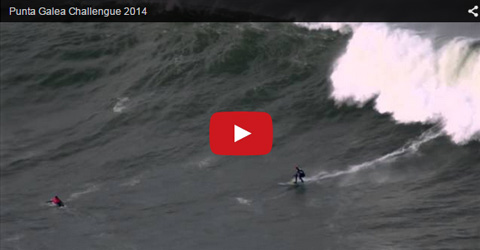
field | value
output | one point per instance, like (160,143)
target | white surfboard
(290,183)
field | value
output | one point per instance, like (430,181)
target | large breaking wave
(409,77)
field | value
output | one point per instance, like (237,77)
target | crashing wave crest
(409,78)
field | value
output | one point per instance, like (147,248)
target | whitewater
(410,78)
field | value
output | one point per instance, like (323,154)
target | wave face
(114,119)
(411,79)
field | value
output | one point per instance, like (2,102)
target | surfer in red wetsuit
(55,200)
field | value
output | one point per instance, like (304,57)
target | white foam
(132,182)
(121,104)
(91,188)
(243,201)
(410,78)
(409,148)
(205,163)
(15,237)
(340,27)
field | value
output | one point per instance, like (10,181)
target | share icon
(472,11)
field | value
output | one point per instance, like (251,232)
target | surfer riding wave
(299,175)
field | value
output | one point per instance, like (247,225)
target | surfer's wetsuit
(300,174)
(55,200)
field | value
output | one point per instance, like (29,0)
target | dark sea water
(114,119)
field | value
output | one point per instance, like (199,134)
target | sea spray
(409,78)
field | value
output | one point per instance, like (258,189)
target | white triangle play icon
(240,133)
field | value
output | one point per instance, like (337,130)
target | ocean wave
(409,78)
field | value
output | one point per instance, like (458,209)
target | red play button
(241,133)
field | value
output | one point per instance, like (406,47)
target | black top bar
(239,11)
